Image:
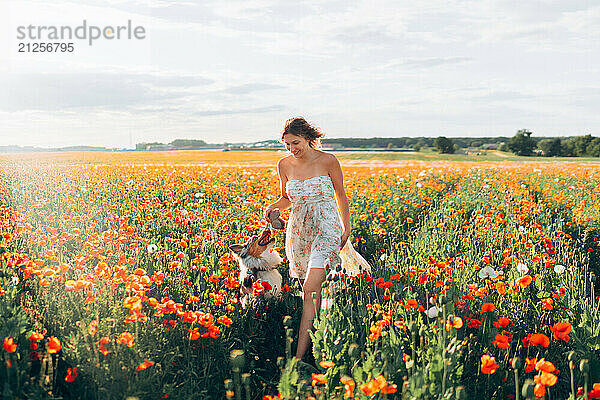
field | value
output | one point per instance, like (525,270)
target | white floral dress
(314,229)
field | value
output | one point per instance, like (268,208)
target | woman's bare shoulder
(284,161)
(329,159)
(283,164)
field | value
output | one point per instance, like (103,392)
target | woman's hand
(268,210)
(345,237)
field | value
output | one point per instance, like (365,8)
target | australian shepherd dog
(258,263)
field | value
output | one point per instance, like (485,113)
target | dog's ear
(236,248)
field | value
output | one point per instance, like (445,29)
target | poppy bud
(353,351)
(571,356)
(584,366)
(528,389)
(237,358)
(517,363)
(245,379)
(281,362)
(287,321)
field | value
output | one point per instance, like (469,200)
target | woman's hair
(299,127)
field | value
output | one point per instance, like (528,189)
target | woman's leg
(314,279)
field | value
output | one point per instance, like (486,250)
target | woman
(311,183)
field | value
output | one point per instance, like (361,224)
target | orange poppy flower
(194,334)
(488,364)
(370,388)
(502,322)
(411,303)
(9,345)
(454,322)
(546,366)
(93,327)
(487,307)
(524,281)
(225,320)
(547,304)
(540,390)
(147,363)
(102,345)
(327,364)
(53,345)
(561,330)
(389,389)
(349,386)
(71,374)
(319,379)
(126,338)
(545,378)
(530,364)
(35,336)
(539,339)
(502,342)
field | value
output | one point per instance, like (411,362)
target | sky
(234,71)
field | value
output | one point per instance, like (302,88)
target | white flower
(383,257)
(184,213)
(152,248)
(198,195)
(522,268)
(559,268)
(15,280)
(489,272)
(433,312)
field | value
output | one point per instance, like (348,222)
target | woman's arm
(283,202)
(335,172)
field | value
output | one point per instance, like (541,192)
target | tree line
(522,144)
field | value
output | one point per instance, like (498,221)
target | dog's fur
(258,263)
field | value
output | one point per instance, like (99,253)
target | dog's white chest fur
(263,269)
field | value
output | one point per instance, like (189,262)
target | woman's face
(296,145)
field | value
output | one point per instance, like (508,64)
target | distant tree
(188,143)
(391,146)
(444,145)
(581,144)
(522,144)
(550,147)
(568,148)
(476,143)
(593,149)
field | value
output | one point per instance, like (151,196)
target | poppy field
(116,281)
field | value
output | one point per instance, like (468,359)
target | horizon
(115,148)
(235,71)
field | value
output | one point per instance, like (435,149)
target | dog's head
(256,254)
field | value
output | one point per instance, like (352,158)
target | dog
(258,262)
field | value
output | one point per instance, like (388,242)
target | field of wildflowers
(116,281)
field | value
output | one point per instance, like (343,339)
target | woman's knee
(307,291)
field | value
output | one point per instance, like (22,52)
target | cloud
(431,62)
(251,87)
(64,91)
(258,110)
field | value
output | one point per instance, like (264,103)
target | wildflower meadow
(116,281)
